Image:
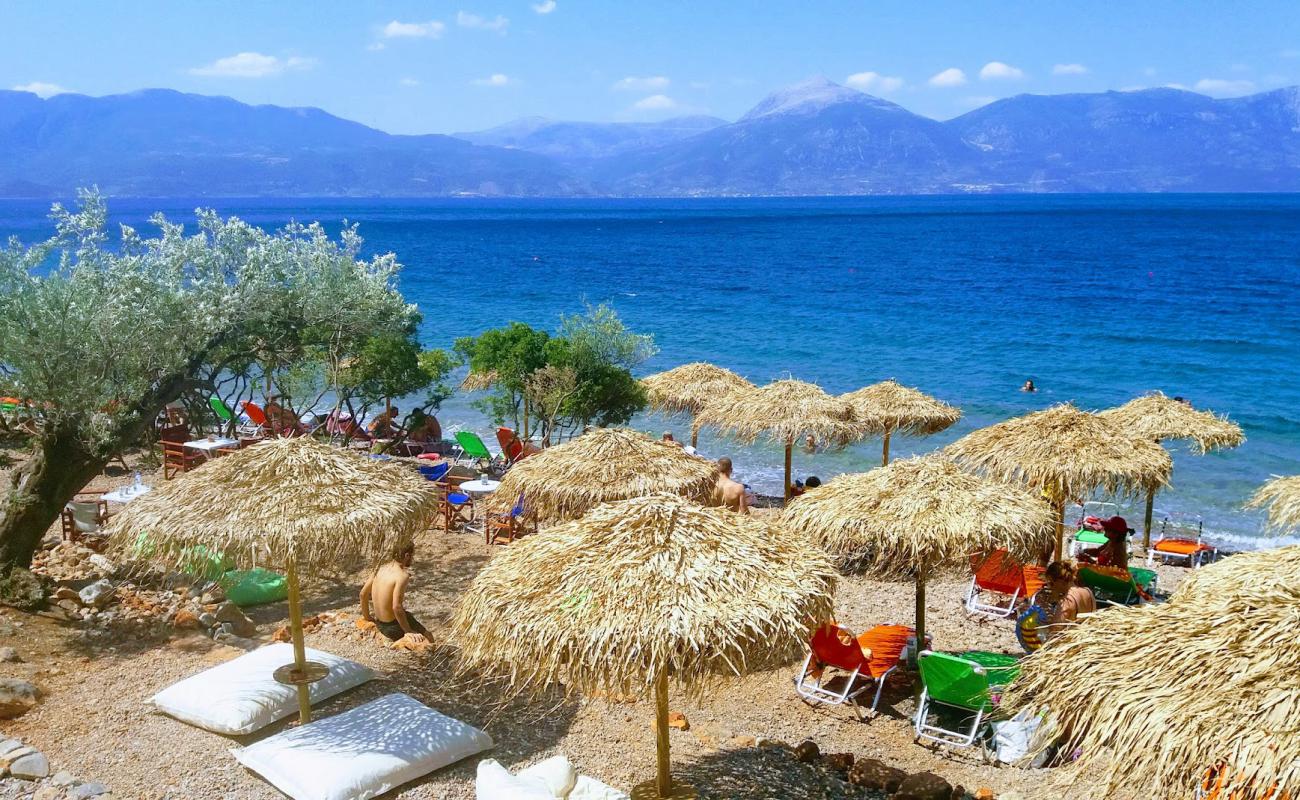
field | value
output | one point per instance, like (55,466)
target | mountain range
(812,138)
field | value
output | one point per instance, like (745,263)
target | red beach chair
(997,573)
(873,656)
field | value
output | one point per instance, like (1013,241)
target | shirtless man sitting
(727,492)
(387,589)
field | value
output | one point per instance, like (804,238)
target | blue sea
(1096,298)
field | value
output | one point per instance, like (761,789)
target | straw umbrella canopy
(478,381)
(1065,453)
(1158,417)
(916,514)
(293,503)
(784,410)
(890,407)
(1282,497)
(1172,690)
(686,389)
(604,464)
(641,591)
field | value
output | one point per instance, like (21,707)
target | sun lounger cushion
(242,695)
(552,779)
(363,752)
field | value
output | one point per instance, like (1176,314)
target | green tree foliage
(100,335)
(511,354)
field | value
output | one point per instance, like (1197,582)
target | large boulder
(98,594)
(17,697)
(240,625)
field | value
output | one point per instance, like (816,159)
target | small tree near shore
(98,336)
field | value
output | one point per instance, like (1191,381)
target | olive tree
(98,334)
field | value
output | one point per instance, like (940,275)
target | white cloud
(996,70)
(432,29)
(648,84)
(409,82)
(42,88)
(948,78)
(468,20)
(655,102)
(544,7)
(1069,69)
(496,79)
(252,65)
(1222,86)
(874,81)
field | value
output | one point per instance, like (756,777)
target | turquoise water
(1096,298)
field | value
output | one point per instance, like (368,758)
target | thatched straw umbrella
(640,591)
(604,464)
(889,407)
(1158,417)
(1066,453)
(1172,690)
(686,389)
(917,514)
(1282,496)
(785,410)
(478,381)
(293,503)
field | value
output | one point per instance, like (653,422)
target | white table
(125,494)
(210,446)
(482,486)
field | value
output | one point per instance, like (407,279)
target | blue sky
(435,67)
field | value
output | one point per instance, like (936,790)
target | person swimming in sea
(1029,386)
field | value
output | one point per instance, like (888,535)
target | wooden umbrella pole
(525,419)
(789,446)
(695,435)
(299,649)
(663,777)
(920,608)
(1146,521)
(1060,526)
(884,459)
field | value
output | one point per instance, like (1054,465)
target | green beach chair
(472,449)
(964,683)
(1115,590)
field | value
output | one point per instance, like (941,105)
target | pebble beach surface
(94,718)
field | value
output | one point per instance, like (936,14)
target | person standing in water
(386,589)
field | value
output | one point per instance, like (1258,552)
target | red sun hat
(1115,525)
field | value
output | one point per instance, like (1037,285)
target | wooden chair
(510,525)
(176,457)
(85,515)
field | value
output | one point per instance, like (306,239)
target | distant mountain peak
(809,97)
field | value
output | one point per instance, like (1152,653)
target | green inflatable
(254,587)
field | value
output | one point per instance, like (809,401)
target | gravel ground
(95,720)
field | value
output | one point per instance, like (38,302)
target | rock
(17,697)
(677,719)
(102,564)
(763,741)
(282,634)
(876,775)
(8,655)
(15,754)
(839,762)
(98,594)
(232,640)
(742,741)
(73,607)
(185,619)
(31,767)
(67,593)
(63,778)
(365,625)
(924,786)
(8,746)
(88,790)
(807,751)
(48,792)
(208,619)
(984,793)
(240,625)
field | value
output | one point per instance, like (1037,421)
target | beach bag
(1012,738)
(254,587)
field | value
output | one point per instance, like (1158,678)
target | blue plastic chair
(434,472)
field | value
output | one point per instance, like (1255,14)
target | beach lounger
(511,448)
(1116,586)
(998,574)
(964,683)
(363,752)
(473,451)
(859,663)
(1188,550)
